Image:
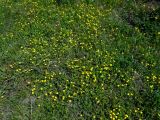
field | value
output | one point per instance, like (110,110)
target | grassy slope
(95,61)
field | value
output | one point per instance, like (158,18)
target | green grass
(79,60)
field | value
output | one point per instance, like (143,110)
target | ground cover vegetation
(79,60)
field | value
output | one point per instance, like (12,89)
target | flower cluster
(84,58)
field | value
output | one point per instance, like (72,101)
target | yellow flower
(70,101)
(126,116)
(63,97)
